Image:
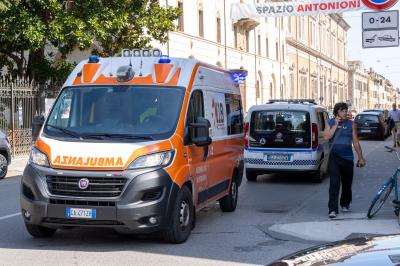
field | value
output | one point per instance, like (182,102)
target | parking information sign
(380,29)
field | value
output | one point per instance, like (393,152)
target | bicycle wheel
(380,198)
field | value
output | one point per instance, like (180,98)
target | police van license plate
(277,157)
(365,130)
(81,213)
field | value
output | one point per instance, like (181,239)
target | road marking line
(9,216)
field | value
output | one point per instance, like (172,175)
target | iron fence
(20,101)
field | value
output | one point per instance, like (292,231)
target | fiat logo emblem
(279,135)
(262,141)
(83,183)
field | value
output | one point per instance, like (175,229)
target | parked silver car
(5,155)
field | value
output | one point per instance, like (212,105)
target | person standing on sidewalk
(340,165)
(394,118)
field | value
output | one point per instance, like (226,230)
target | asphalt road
(242,237)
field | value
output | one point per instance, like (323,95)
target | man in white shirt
(394,115)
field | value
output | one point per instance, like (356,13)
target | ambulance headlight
(160,159)
(39,158)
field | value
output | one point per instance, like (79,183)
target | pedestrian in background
(341,159)
(394,118)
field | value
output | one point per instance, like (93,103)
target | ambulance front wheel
(182,218)
(229,202)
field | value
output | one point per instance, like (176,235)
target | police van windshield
(117,113)
(280,129)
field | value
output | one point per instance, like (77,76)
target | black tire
(3,166)
(251,176)
(39,231)
(182,218)
(229,202)
(380,199)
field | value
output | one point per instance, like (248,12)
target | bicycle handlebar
(389,149)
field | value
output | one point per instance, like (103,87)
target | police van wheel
(39,231)
(251,176)
(182,218)
(229,202)
(3,166)
(317,177)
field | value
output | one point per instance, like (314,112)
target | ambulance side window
(234,114)
(195,109)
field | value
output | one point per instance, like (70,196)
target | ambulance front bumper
(141,204)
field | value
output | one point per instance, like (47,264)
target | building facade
(317,51)
(206,32)
(358,92)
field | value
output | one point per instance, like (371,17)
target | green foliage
(31,30)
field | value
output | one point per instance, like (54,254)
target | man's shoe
(332,215)
(345,209)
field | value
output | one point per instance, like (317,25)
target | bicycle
(385,191)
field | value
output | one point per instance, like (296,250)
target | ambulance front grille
(98,186)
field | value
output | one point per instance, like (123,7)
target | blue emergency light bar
(93,59)
(164,59)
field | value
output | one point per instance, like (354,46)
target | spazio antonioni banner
(278,9)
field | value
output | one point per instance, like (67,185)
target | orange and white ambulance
(138,143)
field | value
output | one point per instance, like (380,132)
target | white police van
(285,136)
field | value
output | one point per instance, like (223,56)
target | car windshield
(119,113)
(367,119)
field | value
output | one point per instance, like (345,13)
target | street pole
(226,59)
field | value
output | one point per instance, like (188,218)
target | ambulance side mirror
(201,132)
(37,124)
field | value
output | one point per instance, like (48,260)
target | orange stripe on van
(162,71)
(88,72)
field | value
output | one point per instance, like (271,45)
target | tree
(32,31)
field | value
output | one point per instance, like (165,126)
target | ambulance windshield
(118,113)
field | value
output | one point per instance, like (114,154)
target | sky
(385,61)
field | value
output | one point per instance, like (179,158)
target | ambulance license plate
(277,157)
(80,213)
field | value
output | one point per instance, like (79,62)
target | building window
(259,44)
(219,30)
(291,78)
(201,23)
(276,22)
(290,24)
(267,46)
(281,23)
(180,18)
(235,33)
(276,51)
(247,41)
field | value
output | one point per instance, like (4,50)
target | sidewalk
(16,168)
(310,220)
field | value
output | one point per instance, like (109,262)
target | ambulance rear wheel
(182,218)
(229,202)
(251,176)
(39,231)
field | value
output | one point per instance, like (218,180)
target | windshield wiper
(117,136)
(66,131)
